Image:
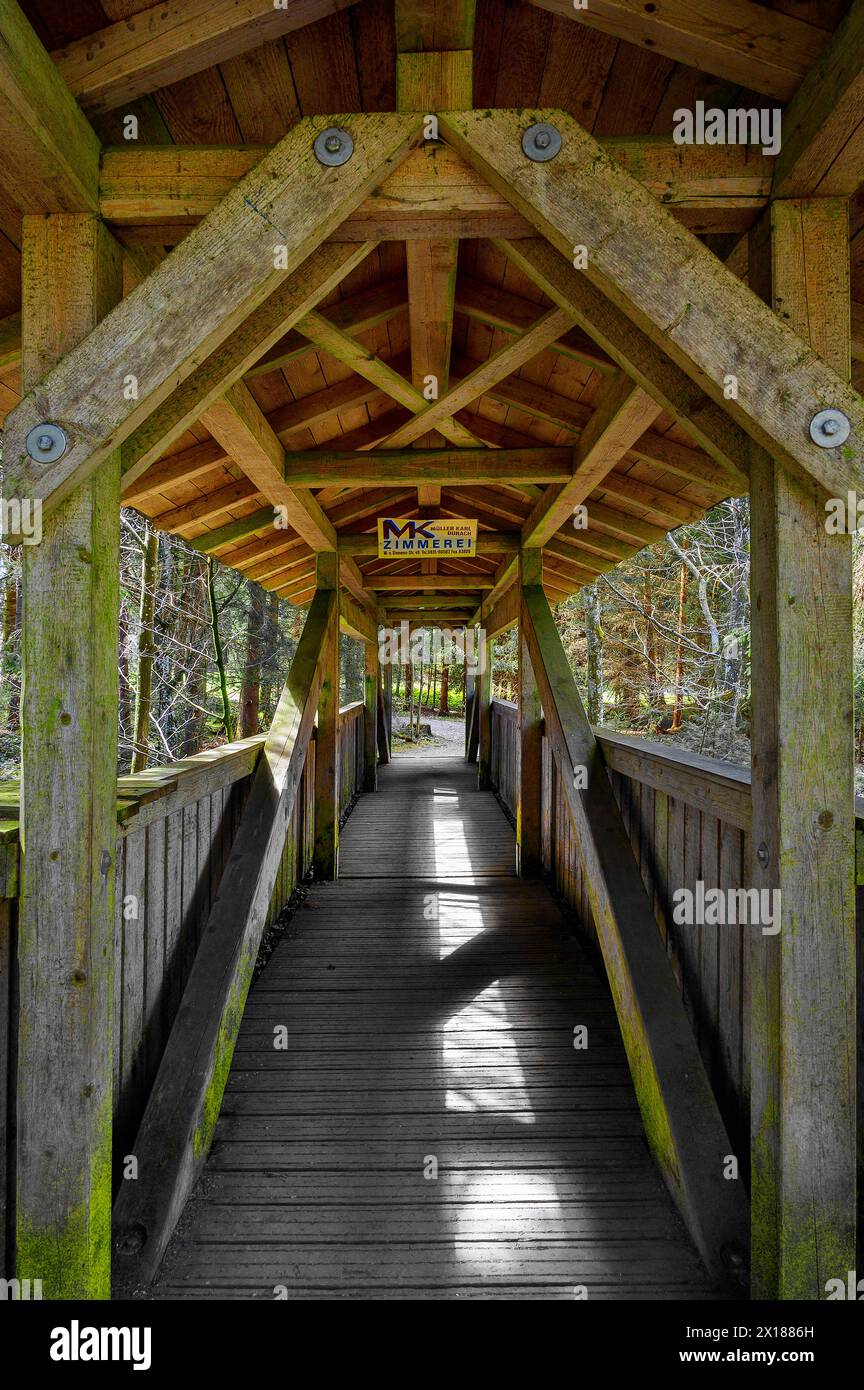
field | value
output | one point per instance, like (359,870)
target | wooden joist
(677,291)
(167,42)
(624,412)
(761,49)
(442,466)
(316,277)
(823,126)
(433,190)
(354,314)
(645,361)
(352,354)
(266,226)
(429,583)
(682,1122)
(238,423)
(548,327)
(175,1133)
(50,151)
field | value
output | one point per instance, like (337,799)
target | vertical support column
(803,978)
(370,718)
(71,277)
(327,736)
(387,688)
(483,699)
(470,683)
(529,850)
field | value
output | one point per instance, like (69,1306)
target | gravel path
(448,737)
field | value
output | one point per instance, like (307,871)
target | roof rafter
(675,289)
(763,49)
(265,227)
(174,40)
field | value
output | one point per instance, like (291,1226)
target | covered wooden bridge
(286,269)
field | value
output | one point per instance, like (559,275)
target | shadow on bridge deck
(428,1000)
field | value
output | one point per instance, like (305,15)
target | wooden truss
(691,390)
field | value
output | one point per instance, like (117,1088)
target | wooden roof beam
(823,126)
(764,50)
(623,414)
(433,191)
(675,290)
(430,583)
(644,360)
(320,273)
(50,151)
(549,326)
(345,349)
(353,315)
(439,466)
(176,317)
(174,40)
(238,423)
(433,73)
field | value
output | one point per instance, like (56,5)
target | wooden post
(803,978)
(483,701)
(529,853)
(370,718)
(327,737)
(72,276)
(470,682)
(387,684)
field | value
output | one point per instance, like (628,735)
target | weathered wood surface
(683,1125)
(671,284)
(688,821)
(177,1127)
(803,996)
(71,277)
(415,1034)
(175,317)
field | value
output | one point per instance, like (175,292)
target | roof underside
(524,56)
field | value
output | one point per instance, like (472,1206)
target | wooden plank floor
(429,999)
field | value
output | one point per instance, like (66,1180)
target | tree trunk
(445,689)
(594,645)
(217,646)
(11,606)
(146,648)
(678,706)
(250,689)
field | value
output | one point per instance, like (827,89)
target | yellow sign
(400,536)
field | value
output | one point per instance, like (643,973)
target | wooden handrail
(175,1133)
(682,1121)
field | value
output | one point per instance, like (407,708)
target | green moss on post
(72,276)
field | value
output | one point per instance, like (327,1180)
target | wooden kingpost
(71,277)
(327,736)
(803,977)
(370,717)
(529,855)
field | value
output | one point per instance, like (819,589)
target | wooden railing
(688,818)
(176,825)
(351,754)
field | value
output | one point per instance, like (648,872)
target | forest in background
(660,646)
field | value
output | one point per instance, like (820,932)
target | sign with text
(400,536)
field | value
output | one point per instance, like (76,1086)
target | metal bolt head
(829,428)
(541,141)
(333,146)
(46,443)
